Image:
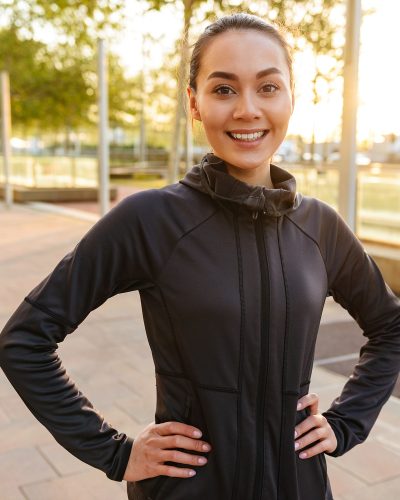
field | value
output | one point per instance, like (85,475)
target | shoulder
(314,208)
(176,194)
(174,206)
(313,216)
(322,223)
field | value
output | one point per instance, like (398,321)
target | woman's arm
(111,258)
(357,284)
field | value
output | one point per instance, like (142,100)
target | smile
(253,136)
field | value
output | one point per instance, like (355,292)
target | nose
(246,107)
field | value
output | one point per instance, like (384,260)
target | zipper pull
(255,214)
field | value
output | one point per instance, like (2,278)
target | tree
(189,9)
(43,95)
(77,22)
(318,25)
(54,85)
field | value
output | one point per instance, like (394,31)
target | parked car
(316,157)
(361,158)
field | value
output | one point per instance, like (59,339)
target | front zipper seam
(263,366)
(284,368)
(235,489)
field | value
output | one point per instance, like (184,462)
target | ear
(193,104)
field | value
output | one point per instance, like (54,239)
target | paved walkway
(110,361)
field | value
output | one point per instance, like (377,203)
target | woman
(233,268)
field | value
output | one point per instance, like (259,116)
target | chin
(248,164)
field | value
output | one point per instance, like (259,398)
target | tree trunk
(174,158)
(142,136)
(188,143)
(315,102)
(67,142)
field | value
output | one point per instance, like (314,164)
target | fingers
(182,458)
(168,428)
(169,470)
(316,434)
(178,441)
(157,443)
(312,400)
(315,450)
(309,423)
(314,429)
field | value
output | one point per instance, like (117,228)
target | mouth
(248,136)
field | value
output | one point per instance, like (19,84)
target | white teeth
(248,137)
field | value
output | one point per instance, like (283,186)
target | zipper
(264,356)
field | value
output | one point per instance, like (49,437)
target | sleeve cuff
(118,471)
(339,438)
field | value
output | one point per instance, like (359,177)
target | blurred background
(50,51)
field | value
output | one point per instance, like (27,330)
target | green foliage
(124,95)
(79,22)
(53,87)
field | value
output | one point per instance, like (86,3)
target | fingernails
(296,445)
(303,455)
(299,405)
(197,434)
(295,434)
(206,447)
(191,473)
(202,460)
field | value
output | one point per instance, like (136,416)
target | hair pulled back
(236,22)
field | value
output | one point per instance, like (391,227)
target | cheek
(212,120)
(280,110)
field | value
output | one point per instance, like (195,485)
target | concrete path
(109,359)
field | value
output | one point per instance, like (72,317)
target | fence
(378,186)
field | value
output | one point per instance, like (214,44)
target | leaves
(53,86)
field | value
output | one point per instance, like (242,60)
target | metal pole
(189,143)
(6,136)
(348,171)
(142,138)
(103,147)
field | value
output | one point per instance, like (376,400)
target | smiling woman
(244,106)
(233,266)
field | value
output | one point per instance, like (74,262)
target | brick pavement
(110,361)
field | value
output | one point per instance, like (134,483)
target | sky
(379,71)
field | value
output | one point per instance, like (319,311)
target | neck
(260,176)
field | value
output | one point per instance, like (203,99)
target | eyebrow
(232,76)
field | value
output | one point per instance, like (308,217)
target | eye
(269,88)
(224,90)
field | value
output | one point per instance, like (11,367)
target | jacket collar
(211,177)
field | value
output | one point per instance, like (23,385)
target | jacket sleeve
(357,284)
(111,258)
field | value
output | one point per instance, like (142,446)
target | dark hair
(236,22)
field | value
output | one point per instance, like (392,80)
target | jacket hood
(211,177)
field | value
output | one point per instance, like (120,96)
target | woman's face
(243,97)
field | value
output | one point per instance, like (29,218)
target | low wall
(388,261)
(23,194)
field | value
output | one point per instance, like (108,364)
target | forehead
(244,52)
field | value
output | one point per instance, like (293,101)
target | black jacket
(232,281)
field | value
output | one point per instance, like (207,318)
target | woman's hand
(313,429)
(151,449)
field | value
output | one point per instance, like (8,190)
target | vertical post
(6,136)
(142,138)
(189,143)
(348,170)
(103,147)
(175,153)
